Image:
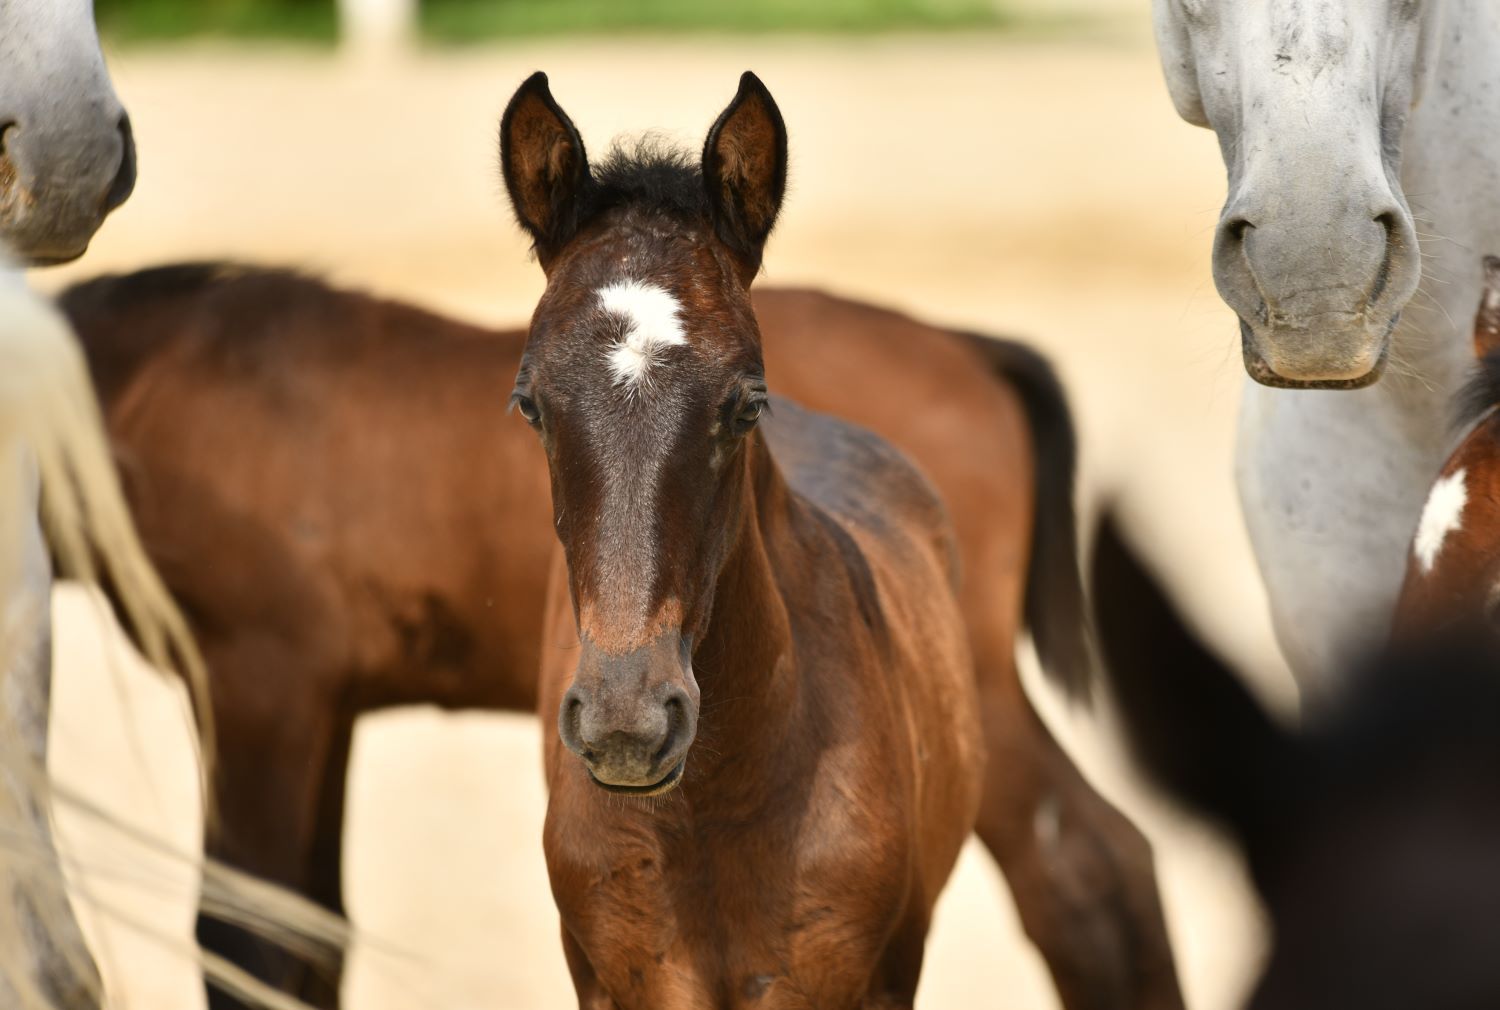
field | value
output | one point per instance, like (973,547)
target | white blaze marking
(1443,513)
(652,321)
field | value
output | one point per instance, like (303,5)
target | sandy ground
(1042,189)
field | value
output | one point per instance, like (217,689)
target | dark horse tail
(1054,607)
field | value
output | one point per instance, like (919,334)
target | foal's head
(643,378)
(1454,568)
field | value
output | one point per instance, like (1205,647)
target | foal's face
(643,378)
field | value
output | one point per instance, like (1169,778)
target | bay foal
(765,606)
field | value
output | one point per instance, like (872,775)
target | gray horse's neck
(1451,175)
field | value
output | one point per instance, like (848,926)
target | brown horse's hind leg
(282,762)
(1081,873)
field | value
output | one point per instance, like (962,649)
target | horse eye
(527,407)
(748,415)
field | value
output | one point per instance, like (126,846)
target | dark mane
(1480,393)
(651,175)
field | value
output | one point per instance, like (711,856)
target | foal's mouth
(665,785)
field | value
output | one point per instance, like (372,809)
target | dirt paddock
(1042,189)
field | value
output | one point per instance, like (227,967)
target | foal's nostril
(568,716)
(124,181)
(675,718)
(681,728)
(6,128)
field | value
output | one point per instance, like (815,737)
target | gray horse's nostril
(1390,224)
(1237,228)
(124,181)
(7,166)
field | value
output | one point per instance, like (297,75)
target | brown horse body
(333,492)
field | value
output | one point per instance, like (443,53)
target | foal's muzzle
(632,717)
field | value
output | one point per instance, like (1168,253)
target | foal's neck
(745,663)
(749,631)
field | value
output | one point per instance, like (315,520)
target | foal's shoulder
(853,473)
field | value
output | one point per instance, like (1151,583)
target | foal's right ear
(1487,320)
(744,168)
(1189,719)
(546,170)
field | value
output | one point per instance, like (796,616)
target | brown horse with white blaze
(796,571)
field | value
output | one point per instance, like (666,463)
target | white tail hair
(48,409)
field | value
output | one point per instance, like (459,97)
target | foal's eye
(748,415)
(526,406)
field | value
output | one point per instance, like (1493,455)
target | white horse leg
(48,943)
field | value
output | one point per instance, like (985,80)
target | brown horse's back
(326,468)
(986,421)
(307,439)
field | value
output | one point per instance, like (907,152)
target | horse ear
(1487,320)
(1178,64)
(744,168)
(546,170)
(1188,718)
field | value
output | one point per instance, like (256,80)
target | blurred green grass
(124,21)
(463,20)
(459,21)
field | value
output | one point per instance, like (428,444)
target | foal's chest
(753,921)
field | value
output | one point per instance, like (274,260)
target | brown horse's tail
(1054,606)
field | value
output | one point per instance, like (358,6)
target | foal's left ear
(546,170)
(744,168)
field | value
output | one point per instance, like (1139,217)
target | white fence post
(377,28)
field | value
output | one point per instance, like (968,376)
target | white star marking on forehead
(1443,513)
(652,321)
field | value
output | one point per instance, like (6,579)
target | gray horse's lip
(666,784)
(1256,367)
